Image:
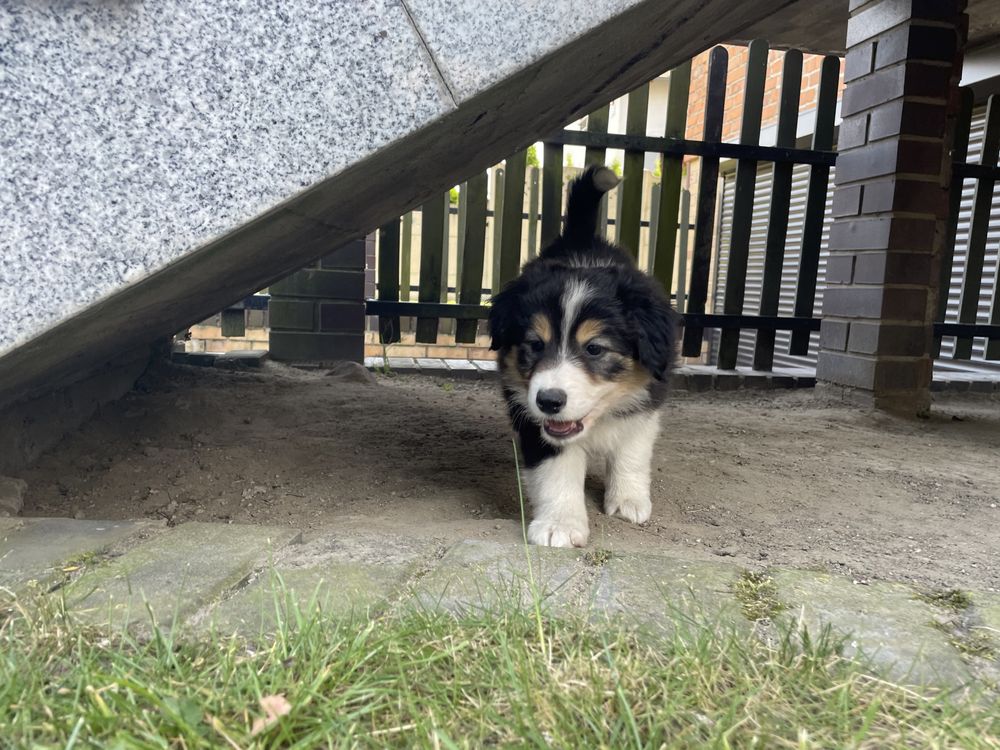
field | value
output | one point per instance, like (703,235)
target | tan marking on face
(636,377)
(629,383)
(510,370)
(587,330)
(541,326)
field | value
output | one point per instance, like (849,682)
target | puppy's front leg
(555,489)
(627,482)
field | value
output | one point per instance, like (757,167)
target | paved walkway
(203,576)
(685,377)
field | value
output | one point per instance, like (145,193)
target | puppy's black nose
(551,400)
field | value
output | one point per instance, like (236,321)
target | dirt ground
(756,478)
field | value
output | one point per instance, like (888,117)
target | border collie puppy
(585,344)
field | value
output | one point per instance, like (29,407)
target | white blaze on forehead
(574,295)
(565,373)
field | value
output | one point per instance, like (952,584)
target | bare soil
(759,478)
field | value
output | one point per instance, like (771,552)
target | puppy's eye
(536,345)
(594,350)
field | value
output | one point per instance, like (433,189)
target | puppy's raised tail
(584,203)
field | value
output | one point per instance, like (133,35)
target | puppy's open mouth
(558,429)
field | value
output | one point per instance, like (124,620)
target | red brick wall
(734,90)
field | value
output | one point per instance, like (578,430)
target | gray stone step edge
(421,581)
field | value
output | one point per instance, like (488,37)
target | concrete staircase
(163,160)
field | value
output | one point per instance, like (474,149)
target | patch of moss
(83,560)
(598,557)
(952,600)
(977,643)
(758,595)
(974,642)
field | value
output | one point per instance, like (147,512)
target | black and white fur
(585,344)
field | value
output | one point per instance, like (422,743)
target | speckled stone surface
(477,44)
(132,133)
(161,160)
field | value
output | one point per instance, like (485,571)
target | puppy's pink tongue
(562,429)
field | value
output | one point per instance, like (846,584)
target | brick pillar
(890,202)
(318,314)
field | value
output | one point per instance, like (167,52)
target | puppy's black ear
(507,321)
(652,325)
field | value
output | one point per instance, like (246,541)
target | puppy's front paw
(558,533)
(634,509)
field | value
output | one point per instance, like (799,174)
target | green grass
(430,680)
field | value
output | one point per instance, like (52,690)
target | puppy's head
(580,341)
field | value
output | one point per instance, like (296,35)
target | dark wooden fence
(687,282)
(983,177)
(519,227)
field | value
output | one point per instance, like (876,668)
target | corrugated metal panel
(755,263)
(724,221)
(792,248)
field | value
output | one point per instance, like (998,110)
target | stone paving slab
(655,592)
(175,574)
(886,623)
(341,590)
(197,359)
(35,548)
(193,574)
(8,524)
(481,575)
(240,359)
(338,576)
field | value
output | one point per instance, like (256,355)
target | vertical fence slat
(552,189)
(513,212)
(597,122)
(671,170)
(431,250)
(777,219)
(406,243)
(654,225)
(498,195)
(446,325)
(819,179)
(960,154)
(463,210)
(233,322)
(617,221)
(388,278)
(471,283)
(602,217)
(982,204)
(746,181)
(701,259)
(631,186)
(533,195)
(446,246)
(682,251)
